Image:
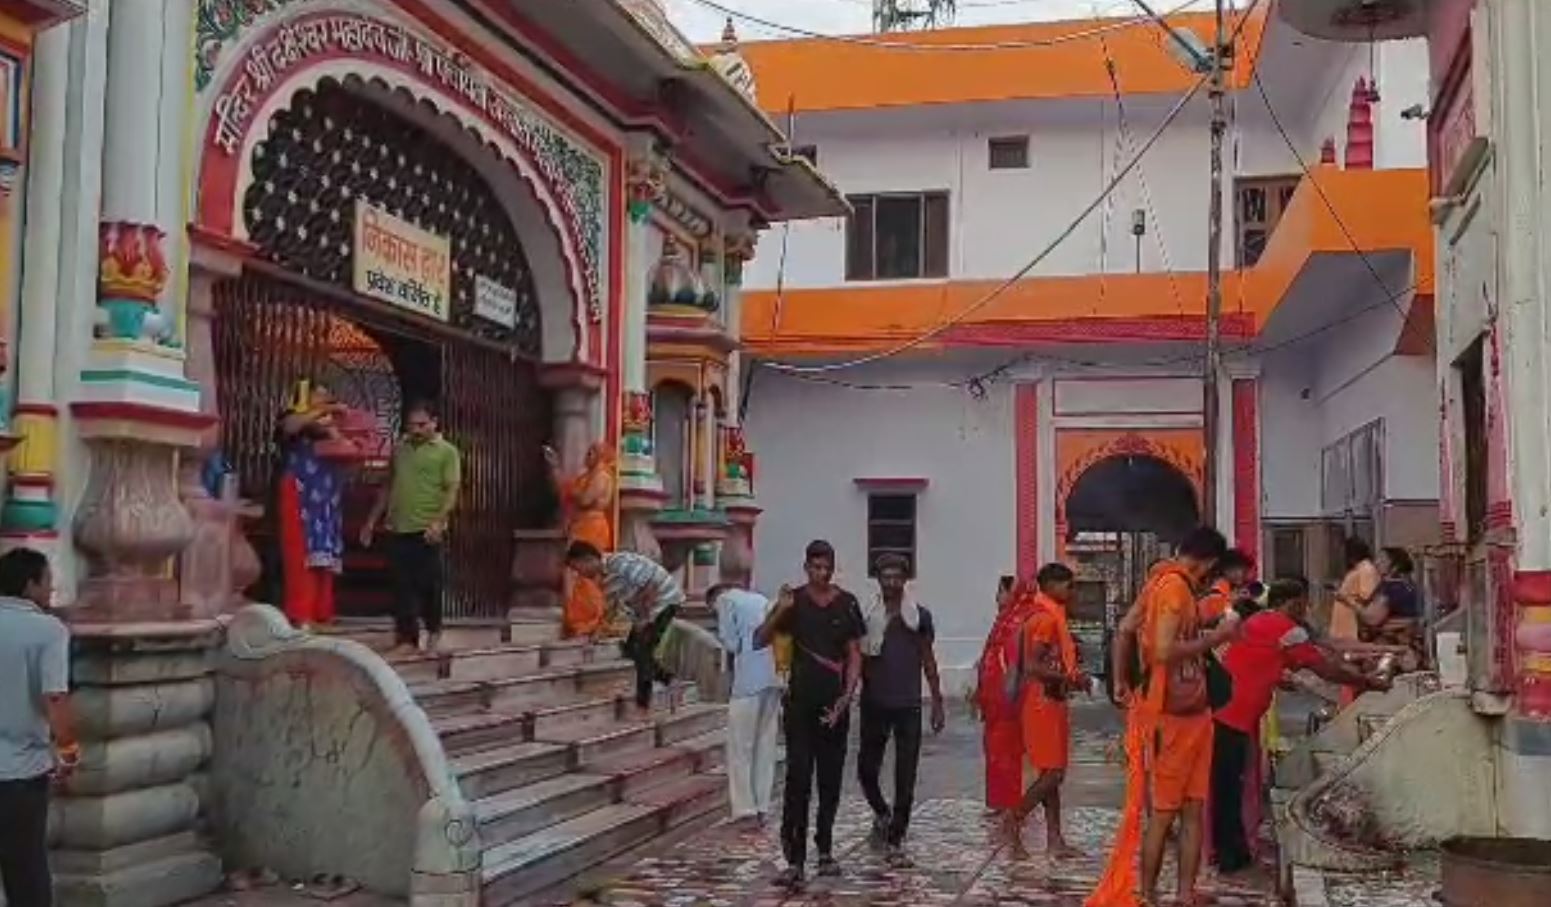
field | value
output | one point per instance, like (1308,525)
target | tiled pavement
(950,840)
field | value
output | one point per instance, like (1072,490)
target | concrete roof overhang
(652,77)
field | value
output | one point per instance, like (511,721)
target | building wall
(815,440)
(1318,392)
(1001,218)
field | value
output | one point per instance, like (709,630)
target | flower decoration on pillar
(1532,639)
(735,478)
(647,183)
(637,463)
(132,274)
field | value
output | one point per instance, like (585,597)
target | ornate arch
(1079,451)
(565,181)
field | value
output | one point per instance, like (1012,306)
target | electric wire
(1330,206)
(1120,24)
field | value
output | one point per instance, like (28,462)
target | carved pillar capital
(646,184)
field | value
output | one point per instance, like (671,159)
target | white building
(982,437)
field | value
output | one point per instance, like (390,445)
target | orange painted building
(995,359)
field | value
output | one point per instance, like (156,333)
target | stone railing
(324,764)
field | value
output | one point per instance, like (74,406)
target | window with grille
(891,529)
(1009,152)
(897,236)
(1260,203)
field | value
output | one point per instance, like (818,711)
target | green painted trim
(711,517)
(28,516)
(111,375)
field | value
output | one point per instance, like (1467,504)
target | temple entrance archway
(300,312)
(1122,513)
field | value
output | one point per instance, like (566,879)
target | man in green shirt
(418,498)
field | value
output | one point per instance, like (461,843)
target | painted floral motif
(218,22)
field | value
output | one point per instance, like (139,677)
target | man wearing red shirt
(1270,644)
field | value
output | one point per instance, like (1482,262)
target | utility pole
(1214,65)
(1210,418)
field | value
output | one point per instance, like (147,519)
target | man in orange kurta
(1051,673)
(1169,743)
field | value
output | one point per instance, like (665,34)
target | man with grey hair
(754,706)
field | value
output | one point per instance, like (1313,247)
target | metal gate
(269,332)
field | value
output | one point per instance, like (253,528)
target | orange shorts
(1180,767)
(1047,733)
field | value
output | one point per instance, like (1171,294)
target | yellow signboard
(399,263)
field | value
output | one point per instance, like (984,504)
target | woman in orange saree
(1003,735)
(588,502)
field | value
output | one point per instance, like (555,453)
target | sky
(702,22)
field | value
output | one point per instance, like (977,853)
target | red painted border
(140,412)
(912,484)
(1096,330)
(36,409)
(1026,476)
(1246,465)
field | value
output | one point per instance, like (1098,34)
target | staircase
(542,737)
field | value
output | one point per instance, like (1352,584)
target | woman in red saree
(1003,720)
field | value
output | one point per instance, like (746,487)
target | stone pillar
(1517,27)
(640,487)
(30,513)
(126,829)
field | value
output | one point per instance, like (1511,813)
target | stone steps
(542,736)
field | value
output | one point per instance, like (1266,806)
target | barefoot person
(1169,735)
(637,586)
(754,705)
(422,489)
(37,737)
(825,623)
(1270,644)
(1050,671)
(588,501)
(1003,734)
(896,652)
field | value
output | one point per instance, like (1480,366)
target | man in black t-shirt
(825,623)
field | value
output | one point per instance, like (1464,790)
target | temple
(534,221)
(985,369)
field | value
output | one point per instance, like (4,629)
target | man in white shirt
(37,736)
(754,706)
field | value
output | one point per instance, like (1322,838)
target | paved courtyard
(951,841)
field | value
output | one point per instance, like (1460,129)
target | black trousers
(24,843)
(879,723)
(812,749)
(415,566)
(1230,762)
(640,648)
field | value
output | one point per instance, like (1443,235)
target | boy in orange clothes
(1050,672)
(1233,572)
(1170,727)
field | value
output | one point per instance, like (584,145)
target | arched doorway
(333,148)
(1123,513)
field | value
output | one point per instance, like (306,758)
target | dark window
(1287,553)
(1089,600)
(810,152)
(891,529)
(1260,203)
(897,236)
(1472,385)
(1009,152)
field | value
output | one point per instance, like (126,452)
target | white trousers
(751,752)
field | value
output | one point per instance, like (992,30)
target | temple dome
(729,63)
